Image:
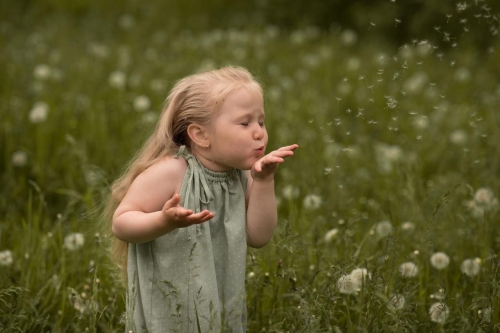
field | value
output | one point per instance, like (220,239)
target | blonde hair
(194,99)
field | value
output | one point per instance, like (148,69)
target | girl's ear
(198,135)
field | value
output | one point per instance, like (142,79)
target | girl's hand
(263,170)
(180,217)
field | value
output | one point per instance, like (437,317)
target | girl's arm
(150,208)
(262,216)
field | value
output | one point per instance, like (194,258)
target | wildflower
(439,312)
(408,226)
(397,302)
(485,315)
(74,241)
(383,228)
(359,275)
(346,285)
(484,197)
(251,275)
(39,112)
(19,158)
(458,137)
(421,122)
(440,260)
(348,37)
(290,192)
(439,295)
(117,79)
(6,258)
(142,103)
(42,72)
(408,269)
(471,267)
(331,234)
(312,201)
(387,155)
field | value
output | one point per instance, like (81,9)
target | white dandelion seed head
(312,201)
(344,88)
(251,275)
(42,72)
(485,315)
(485,198)
(39,112)
(353,64)
(397,302)
(439,295)
(471,267)
(439,312)
(346,285)
(19,158)
(384,228)
(415,83)
(331,235)
(117,79)
(126,22)
(424,49)
(458,137)
(359,276)
(74,241)
(462,74)
(6,258)
(348,37)
(290,192)
(408,269)
(421,122)
(142,103)
(408,226)
(440,260)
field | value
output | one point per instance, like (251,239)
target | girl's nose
(259,133)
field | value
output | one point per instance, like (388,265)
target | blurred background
(394,105)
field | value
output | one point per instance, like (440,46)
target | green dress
(193,279)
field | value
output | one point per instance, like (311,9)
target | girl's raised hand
(181,217)
(264,169)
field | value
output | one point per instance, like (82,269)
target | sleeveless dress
(193,279)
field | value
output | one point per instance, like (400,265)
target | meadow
(388,213)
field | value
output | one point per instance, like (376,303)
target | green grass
(343,103)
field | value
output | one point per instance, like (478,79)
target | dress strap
(196,177)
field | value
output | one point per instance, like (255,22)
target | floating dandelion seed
(142,103)
(19,158)
(440,260)
(39,112)
(74,241)
(471,267)
(331,235)
(6,258)
(384,228)
(439,312)
(408,269)
(117,79)
(312,201)
(397,302)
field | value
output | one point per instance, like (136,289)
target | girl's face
(238,137)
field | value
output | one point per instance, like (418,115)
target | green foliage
(401,132)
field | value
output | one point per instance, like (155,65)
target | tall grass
(399,134)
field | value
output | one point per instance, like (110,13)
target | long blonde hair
(194,99)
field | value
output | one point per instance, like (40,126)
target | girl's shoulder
(169,166)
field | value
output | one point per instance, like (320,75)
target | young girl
(198,192)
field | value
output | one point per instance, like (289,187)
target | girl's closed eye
(245,124)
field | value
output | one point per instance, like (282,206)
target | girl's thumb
(172,202)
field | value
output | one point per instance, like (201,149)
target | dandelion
(384,228)
(439,312)
(38,112)
(416,83)
(117,79)
(348,37)
(440,260)
(126,22)
(471,267)
(346,285)
(421,122)
(359,275)
(19,158)
(458,137)
(331,234)
(290,192)
(74,241)
(353,64)
(387,156)
(484,197)
(408,226)
(485,314)
(408,269)
(42,72)
(397,302)
(312,201)
(141,103)
(6,258)
(251,275)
